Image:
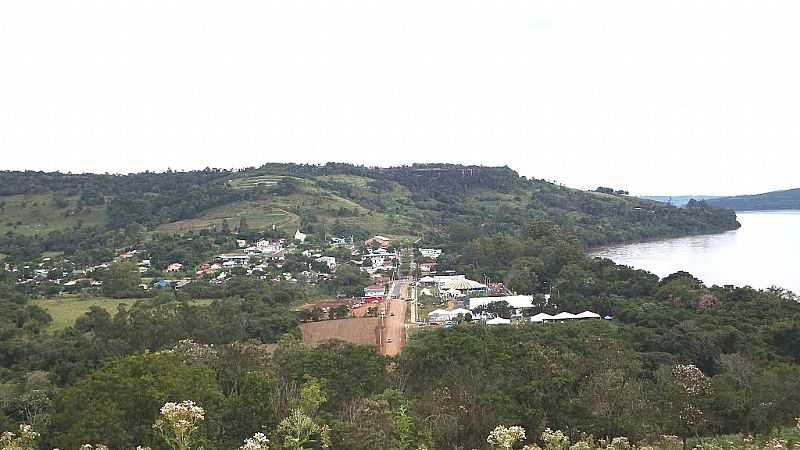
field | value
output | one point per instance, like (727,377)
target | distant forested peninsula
(788,199)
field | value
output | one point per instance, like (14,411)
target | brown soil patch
(360,331)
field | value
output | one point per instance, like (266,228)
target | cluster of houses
(373,261)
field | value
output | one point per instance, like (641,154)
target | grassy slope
(38,214)
(285,211)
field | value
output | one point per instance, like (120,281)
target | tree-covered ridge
(434,201)
(777,200)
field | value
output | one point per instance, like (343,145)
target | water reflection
(762,253)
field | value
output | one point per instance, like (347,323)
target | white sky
(659,97)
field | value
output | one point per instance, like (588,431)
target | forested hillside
(81,215)
(788,199)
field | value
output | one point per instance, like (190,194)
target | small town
(404,290)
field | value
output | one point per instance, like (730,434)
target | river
(764,252)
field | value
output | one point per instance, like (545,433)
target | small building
(381,241)
(427,267)
(175,267)
(329,261)
(432,253)
(234,260)
(298,236)
(374,292)
(443,315)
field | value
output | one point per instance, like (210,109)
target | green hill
(788,199)
(64,212)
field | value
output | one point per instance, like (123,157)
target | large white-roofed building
(514,301)
(442,315)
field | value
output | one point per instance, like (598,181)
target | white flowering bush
(581,445)
(259,441)
(670,442)
(298,430)
(24,440)
(554,440)
(620,443)
(178,422)
(505,437)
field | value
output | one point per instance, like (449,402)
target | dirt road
(395,328)
(394,325)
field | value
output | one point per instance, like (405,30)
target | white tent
(498,321)
(564,316)
(426,291)
(587,315)
(541,317)
(427,280)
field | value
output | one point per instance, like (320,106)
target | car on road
(392,314)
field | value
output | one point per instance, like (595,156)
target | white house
(175,267)
(234,260)
(300,236)
(330,261)
(430,252)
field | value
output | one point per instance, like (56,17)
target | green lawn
(65,310)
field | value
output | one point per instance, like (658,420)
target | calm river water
(764,252)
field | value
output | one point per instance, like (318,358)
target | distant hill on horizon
(677,200)
(785,199)
(58,212)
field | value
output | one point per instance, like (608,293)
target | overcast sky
(658,97)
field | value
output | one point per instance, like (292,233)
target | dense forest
(223,366)
(788,199)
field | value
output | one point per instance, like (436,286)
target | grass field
(259,214)
(310,199)
(39,214)
(65,310)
